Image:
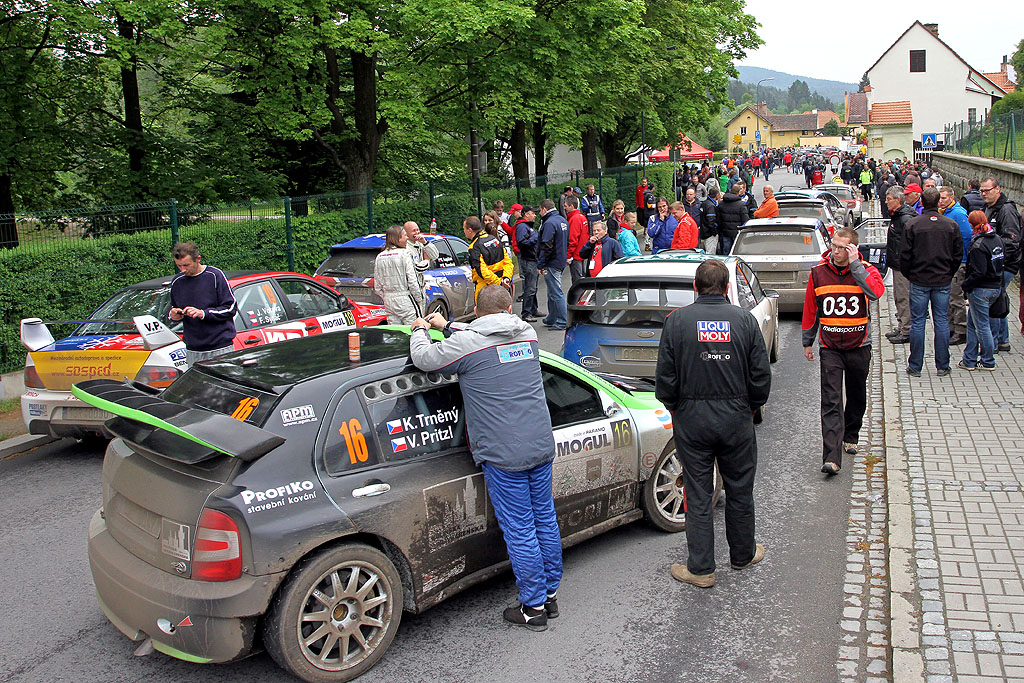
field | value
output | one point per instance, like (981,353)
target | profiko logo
(713,331)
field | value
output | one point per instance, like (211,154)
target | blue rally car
(348,268)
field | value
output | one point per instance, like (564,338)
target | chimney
(934,28)
(1002,67)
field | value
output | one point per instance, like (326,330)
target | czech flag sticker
(394,426)
(398,445)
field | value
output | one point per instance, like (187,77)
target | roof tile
(890,113)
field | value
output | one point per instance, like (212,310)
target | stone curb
(19,444)
(904,596)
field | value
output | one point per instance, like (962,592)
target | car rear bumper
(59,414)
(196,621)
(791,300)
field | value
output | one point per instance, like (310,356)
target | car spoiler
(171,430)
(630,283)
(36,335)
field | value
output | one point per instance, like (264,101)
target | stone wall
(957,169)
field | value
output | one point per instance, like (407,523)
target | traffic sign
(757,135)
(834,161)
(928,141)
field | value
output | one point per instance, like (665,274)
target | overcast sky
(815,39)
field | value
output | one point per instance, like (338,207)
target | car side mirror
(613,409)
(771,293)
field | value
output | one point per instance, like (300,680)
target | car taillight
(32,378)
(217,555)
(157,375)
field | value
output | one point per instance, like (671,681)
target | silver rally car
(291,499)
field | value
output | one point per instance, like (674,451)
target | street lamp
(757,107)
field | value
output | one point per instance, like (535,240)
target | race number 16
(355,442)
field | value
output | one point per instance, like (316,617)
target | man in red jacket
(836,312)
(579,233)
(687,232)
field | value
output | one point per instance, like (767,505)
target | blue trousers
(525,510)
(980,343)
(920,298)
(530,277)
(558,315)
(1001,326)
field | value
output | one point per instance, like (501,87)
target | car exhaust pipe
(145,649)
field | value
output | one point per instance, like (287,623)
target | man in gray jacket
(515,450)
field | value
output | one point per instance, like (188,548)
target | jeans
(530,278)
(557,316)
(725,244)
(979,331)
(575,270)
(920,298)
(1001,326)
(525,511)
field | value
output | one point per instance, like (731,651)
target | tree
(831,127)
(1017,62)
(864,83)
(1012,101)
(799,95)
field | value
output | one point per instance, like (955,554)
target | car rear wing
(873,234)
(171,430)
(36,335)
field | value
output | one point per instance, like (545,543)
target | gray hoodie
(497,359)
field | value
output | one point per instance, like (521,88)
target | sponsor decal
(278,496)
(31,394)
(455,510)
(713,331)
(394,426)
(715,356)
(36,409)
(297,415)
(590,362)
(245,408)
(583,445)
(398,445)
(174,539)
(664,417)
(647,460)
(274,336)
(510,353)
(336,321)
(178,357)
(594,469)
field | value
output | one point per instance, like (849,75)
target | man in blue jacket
(515,450)
(949,208)
(552,258)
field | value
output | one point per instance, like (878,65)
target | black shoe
(958,339)
(900,339)
(529,318)
(942,372)
(830,468)
(551,607)
(1002,347)
(913,373)
(519,298)
(535,619)
(892,333)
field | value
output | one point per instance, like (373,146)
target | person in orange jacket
(770,206)
(687,232)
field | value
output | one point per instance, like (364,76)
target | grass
(9,404)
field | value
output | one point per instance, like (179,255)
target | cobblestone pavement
(955,470)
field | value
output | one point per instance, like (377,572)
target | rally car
(293,499)
(348,268)
(125,338)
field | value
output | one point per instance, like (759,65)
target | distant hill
(833,90)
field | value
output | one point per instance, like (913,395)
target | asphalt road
(623,617)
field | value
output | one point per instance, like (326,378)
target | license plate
(86,415)
(638,353)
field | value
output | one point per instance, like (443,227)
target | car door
(463,276)
(259,307)
(446,275)
(752,297)
(313,309)
(594,474)
(397,463)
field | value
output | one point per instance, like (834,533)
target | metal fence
(996,137)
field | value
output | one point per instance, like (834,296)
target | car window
(461,250)
(350,444)
(349,262)
(258,304)
(818,212)
(640,304)
(755,284)
(753,242)
(308,300)
(445,257)
(418,422)
(744,294)
(570,400)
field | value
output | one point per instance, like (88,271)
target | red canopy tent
(688,151)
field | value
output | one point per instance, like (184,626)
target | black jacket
(972,201)
(708,219)
(712,359)
(489,248)
(894,237)
(932,250)
(984,262)
(1005,220)
(732,214)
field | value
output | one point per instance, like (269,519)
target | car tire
(665,508)
(353,594)
(773,353)
(438,306)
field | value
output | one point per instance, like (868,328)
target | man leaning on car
(515,450)
(201,296)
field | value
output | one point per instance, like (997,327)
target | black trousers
(839,424)
(707,432)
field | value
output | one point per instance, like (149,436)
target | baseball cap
(515,207)
(528,209)
(912,187)
(577,190)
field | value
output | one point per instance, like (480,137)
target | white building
(940,86)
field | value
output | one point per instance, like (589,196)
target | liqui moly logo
(713,331)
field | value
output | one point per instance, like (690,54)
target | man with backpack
(1004,218)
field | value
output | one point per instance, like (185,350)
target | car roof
(783,223)
(669,261)
(234,277)
(376,241)
(275,367)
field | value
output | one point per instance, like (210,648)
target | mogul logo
(713,331)
(587,443)
(278,496)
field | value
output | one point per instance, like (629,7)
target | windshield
(804,212)
(196,389)
(352,262)
(615,305)
(776,243)
(842,192)
(127,304)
